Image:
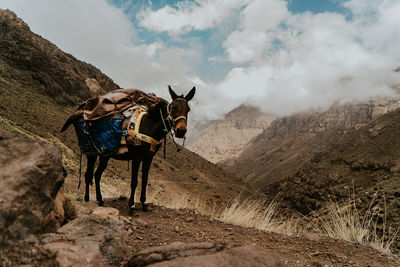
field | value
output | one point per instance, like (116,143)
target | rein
(80,171)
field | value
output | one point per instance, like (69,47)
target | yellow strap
(141,136)
(139,120)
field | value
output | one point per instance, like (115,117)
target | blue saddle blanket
(101,136)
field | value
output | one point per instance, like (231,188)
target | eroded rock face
(225,139)
(30,178)
(180,254)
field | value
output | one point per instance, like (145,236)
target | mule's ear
(172,93)
(190,95)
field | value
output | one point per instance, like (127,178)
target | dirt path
(162,226)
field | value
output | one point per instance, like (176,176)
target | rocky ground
(161,227)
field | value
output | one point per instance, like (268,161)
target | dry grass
(345,221)
(180,201)
(256,213)
(339,221)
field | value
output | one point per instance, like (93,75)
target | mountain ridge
(224,139)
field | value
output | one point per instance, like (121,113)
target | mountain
(290,142)
(40,86)
(367,159)
(223,140)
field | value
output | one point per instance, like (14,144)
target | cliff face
(291,141)
(225,139)
(29,60)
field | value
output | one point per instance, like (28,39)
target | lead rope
(80,171)
(165,147)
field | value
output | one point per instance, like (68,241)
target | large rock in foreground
(90,240)
(30,177)
(180,254)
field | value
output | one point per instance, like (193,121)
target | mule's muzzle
(180,132)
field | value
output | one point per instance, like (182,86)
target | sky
(284,56)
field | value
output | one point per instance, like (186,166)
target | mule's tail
(71,120)
(78,113)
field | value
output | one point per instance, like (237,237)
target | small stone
(25,260)
(189,219)
(141,222)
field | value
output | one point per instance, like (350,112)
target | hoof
(101,203)
(145,208)
(86,198)
(131,211)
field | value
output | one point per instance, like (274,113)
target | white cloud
(323,58)
(188,16)
(257,18)
(245,46)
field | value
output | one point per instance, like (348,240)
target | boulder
(30,178)
(64,211)
(77,255)
(180,254)
(101,234)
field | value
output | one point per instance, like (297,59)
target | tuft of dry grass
(345,221)
(181,201)
(256,213)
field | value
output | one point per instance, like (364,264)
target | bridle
(172,122)
(170,118)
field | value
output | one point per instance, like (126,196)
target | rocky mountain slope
(223,140)
(365,162)
(289,142)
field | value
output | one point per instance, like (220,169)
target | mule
(157,123)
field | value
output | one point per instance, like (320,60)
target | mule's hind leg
(145,175)
(134,182)
(91,161)
(97,177)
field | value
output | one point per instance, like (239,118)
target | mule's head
(178,111)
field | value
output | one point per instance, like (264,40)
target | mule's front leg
(91,161)
(145,175)
(134,182)
(97,176)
